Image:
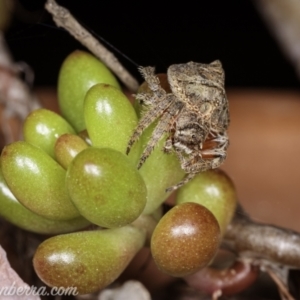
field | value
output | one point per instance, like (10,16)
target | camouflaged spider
(194,115)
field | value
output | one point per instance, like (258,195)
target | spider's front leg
(157,100)
(219,152)
(196,162)
(168,145)
(153,82)
(163,125)
(186,163)
(209,158)
(150,116)
(192,167)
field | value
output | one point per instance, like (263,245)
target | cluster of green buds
(70,178)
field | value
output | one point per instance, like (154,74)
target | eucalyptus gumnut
(78,73)
(42,128)
(214,190)
(67,147)
(88,260)
(105,187)
(37,181)
(185,240)
(14,212)
(110,118)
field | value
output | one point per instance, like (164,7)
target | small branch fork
(63,18)
(274,250)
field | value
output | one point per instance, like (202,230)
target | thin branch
(275,250)
(282,288)
(261,241)
(63,18)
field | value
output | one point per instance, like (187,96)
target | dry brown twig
(274,250)
(63,18)
(282,287)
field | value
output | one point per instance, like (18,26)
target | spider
(194,115)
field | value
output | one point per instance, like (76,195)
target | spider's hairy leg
(192,167)
(223,143)
(153,82)
(196,164)
(185,180)
(220,156)
(199,163)
(217,162)
(144,98)
(168,145)
(148,74)
(185,165)
(162,127)
(151,115)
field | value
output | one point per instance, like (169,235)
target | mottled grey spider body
(194,115)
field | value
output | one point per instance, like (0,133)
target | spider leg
(144,98)
(185,180)
(158,101)
(160,129)
(222,140)
(197,167)
(168,145)
(195,163)
(186,164)
(148,74)
(150,115)
(153,82)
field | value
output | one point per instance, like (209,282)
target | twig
(63,18)
(262,241)
(275,250)
(284,293)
